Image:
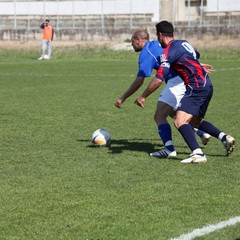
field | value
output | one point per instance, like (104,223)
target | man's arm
(42,25)
(137,83)
(153,85)
(52,34)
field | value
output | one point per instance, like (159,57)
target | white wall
(223,5)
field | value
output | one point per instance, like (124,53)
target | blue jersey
(180,56)
(149,59)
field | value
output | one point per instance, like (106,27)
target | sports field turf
(56,185)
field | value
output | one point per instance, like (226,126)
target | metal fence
(112,19)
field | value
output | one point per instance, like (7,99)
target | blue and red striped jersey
(180,56)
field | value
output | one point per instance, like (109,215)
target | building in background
(109,19)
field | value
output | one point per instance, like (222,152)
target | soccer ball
(101,137)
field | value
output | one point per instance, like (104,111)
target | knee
(178,123)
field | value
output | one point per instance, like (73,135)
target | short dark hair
(165,27)
(47,20)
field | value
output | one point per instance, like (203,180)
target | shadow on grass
(120,145)
(143,145)
(139,145)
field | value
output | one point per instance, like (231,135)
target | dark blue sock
(200,133)
(165,133)
(188,134)
(209,128)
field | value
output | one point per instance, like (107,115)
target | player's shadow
(118,146)
(140,145)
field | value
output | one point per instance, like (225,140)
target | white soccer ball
(101,137)
(46,57)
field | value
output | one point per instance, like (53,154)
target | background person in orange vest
(48,33)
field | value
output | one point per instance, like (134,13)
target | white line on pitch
(228,69)
(208,229)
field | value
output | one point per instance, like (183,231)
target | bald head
(139,38)
(141,34)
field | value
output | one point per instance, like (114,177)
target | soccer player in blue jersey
(180,56)
(169,99)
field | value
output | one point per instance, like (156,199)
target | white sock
(198,151)
(221,135)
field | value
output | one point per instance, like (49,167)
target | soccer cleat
(195,158)
(229,144)
(46,57)
(164,153)
(41,58)
(205,138)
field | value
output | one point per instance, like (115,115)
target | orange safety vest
(48,33)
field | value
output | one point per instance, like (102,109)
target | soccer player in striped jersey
(180,56)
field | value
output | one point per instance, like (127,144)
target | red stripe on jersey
(160,73)
(177,67)
(199,71)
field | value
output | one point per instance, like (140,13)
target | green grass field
(56,185)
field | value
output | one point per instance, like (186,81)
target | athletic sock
(222,136)
(210,129)
(165,133)
(188,134)
(198,132)
(198,151)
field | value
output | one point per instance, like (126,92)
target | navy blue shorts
(196,101)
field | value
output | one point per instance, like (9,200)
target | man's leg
(182,124)
(43,49)
(49,49)
(227,140)
(205,137)
(163,110)
(167,103)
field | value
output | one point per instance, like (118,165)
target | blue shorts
(196,101)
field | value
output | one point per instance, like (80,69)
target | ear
(138,41)
(158,34)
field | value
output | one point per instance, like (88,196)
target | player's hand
(140,101)
(118,102)
(208,68)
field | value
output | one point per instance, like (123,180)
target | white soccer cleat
(164,153)
(229,144)
(46,57)
(195,158)
(205,138)
(41,58)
